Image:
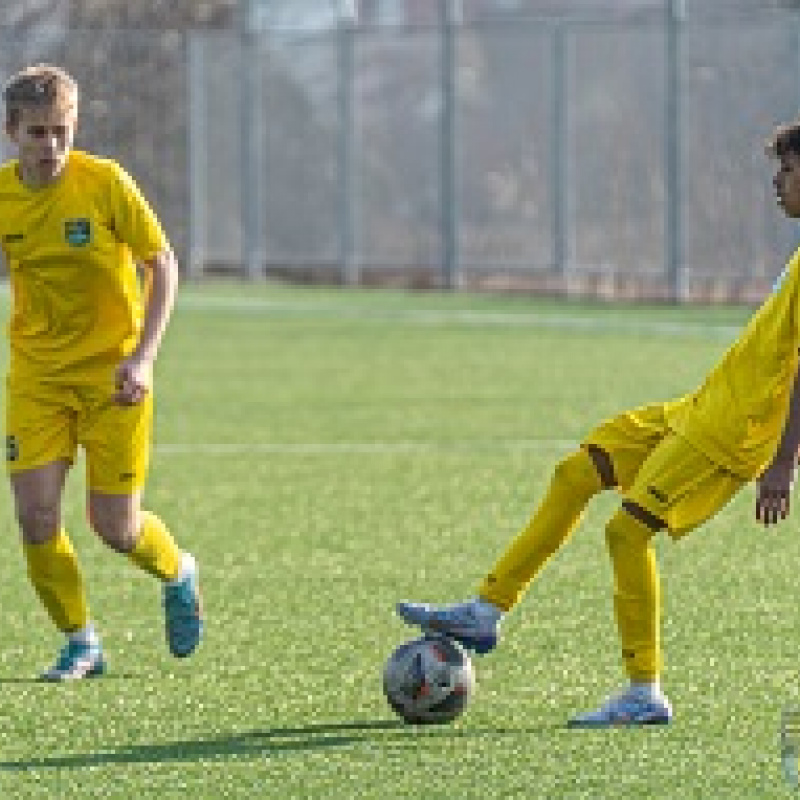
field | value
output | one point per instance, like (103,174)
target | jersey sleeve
(134,221)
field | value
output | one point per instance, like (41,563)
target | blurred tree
(150,13)
(36,27)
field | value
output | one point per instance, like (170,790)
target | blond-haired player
(84,334)
(674,465)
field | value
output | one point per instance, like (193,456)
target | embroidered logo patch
(78,231)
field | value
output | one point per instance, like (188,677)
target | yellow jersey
(737,416)
(71,248)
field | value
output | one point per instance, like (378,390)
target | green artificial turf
(325,453)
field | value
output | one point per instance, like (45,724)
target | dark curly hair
(785,139)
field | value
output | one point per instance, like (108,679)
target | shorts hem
(13,468)
(127,489)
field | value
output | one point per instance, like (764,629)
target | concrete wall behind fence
(544,155)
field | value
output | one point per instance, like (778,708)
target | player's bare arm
(135,373)
(774,485)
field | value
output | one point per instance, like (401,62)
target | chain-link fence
(621,158)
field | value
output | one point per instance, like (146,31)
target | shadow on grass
(109,676)
(264,743)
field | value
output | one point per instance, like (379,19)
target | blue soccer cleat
(77,660)
(474,624)
(183,610)
(632,706)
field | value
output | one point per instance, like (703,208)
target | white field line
(362,448)
(419,316)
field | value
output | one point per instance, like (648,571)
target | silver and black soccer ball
(429,680)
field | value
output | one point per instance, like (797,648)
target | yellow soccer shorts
(47,421)
(660,471)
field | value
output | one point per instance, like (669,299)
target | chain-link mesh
(289,149)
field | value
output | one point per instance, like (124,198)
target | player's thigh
(681,486)
(628,439)
(41,425)
(117,442)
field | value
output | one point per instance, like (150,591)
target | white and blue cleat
(77,660)
(632,706)
(474,624)
(183,611)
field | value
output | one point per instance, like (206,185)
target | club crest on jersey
(78,231)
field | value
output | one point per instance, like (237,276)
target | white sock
(85,635)
(187,566)
(648,689)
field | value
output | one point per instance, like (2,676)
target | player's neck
(34,179)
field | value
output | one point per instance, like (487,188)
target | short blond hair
(39,86)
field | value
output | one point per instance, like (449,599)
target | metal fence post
(197,153)
(560,155)
(675,14)
(348,257)
(252,164)
(449,16)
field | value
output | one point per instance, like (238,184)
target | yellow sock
(575,481)
(155,550)
(637,596)
(54,572)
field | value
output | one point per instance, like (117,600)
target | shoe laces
(627,695)
(462,612)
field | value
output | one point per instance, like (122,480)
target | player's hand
(773,491)
(133,380)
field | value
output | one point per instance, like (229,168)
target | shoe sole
(184,653)
(479,646)
(629,723)
(96,671)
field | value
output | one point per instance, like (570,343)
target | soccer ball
(429,680)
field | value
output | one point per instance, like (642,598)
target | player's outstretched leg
(81,657)
(183,609)
(475,624)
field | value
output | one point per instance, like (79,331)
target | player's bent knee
(626,530)
(116,519)
(39,522)
(118,531)
(624,534)
(118,536)
(577,472)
